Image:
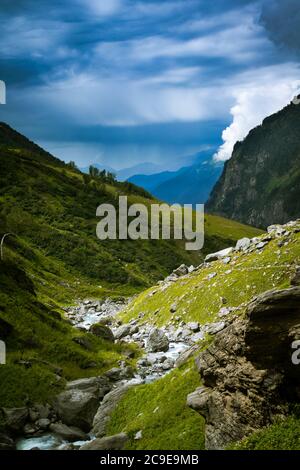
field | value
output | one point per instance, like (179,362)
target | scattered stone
(122,331)
(194,326)
(218,255)
(182,270)
(157,341)
(261,245)
(173,308)
(186,355)
(243,244)
(102,331)
(138,435)
(214,328)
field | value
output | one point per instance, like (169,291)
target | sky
(121,82)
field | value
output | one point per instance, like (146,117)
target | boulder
(186,355)
(99,386)
(122,331)
(247,373)
(43,423)
(194,326)
(106,408)
(182,270)
(102,331)
(157,341)
(6,443)
(76,407)
(15,419)
(214,328)
(116,442)
(218,255)
(243,244)
(68,433)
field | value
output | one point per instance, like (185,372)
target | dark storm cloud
(281,19)
(132,72)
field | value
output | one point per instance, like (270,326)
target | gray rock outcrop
(247,373)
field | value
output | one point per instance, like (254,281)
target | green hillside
(53,258)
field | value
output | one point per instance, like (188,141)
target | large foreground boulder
(248,375)
(116,442)
(106,408)
(157,341)
(15,419)
(77,408)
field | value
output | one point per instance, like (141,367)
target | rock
(218,255)
(98,386)
(186,355)
(194,326)
(122,331)
(182,270)
(68,433)
(243,244)
(106,408)
(224,311)
(29,429)
(116,442)
(43,423)
(261,245)
(77,408)
(6,443)
(197,337)
(157,341)
(133,330)
(211,276)
(247,373)
(15,419)
(214,328)
(121,373)
(138,435)
(102,331)
(173,308)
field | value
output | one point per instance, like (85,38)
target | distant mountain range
(260,184)
(188,185)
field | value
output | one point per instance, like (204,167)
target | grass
(284,435)
(200,296)
(159,410)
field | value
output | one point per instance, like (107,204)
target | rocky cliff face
(260,184)
(248,374)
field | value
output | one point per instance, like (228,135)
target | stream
(150,367)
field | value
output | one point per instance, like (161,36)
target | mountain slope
(260,184)
(53,258)
(215,296)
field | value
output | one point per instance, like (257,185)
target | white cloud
(258,96)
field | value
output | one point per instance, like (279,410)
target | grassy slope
(56,259)
(159,410)
(200,299)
